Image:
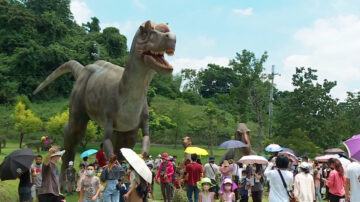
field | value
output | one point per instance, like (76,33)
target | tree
(178,117)
(215,119)
(93,26)
(253,88)
(159,122)
(309,108)
(56,124)
(216,79)
(25,121)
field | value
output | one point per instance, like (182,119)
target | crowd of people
(113,181)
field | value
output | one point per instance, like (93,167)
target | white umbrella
(251,159)
(137,163)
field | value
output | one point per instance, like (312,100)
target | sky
(321,34)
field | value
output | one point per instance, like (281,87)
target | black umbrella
(15,163)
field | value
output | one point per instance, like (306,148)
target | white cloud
(246,12)
(196,63)
(332,47)
(81,11)
(139,4)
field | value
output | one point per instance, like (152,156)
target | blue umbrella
(88,153)
(232,144)
(273,148)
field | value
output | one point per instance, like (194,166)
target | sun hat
(227,180)
(165,156)
(58,153)
(203,181)
(226,163)
(71,163)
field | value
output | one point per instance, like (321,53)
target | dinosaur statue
(242,133)
(113,96)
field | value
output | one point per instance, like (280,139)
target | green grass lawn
(8,189)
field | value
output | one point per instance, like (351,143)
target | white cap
(304,165)
(71,163)
(58,153)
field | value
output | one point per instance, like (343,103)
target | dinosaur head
(150,44)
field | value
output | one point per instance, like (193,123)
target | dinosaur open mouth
(158,57)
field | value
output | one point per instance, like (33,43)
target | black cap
(211,158)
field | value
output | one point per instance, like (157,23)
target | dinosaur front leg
(108,146)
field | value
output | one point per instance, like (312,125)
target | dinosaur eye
(153,36)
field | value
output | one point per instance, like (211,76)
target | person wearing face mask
(165,173)
(90,186)
(205,195)
(37,177)
(228,188)
(50,187)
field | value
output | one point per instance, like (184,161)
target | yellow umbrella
(196,150)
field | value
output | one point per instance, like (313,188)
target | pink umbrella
(289,155)
(353,147)
(251,159)
(325,158)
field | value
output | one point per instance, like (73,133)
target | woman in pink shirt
(336,181)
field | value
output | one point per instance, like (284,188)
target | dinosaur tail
(71,66)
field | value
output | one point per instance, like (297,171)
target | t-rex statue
(242,133)
(113,96)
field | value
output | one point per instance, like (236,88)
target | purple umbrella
(353,147)
(232,144)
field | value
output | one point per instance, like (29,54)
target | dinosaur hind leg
(124,140)
(74,132)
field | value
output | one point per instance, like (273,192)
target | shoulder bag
(290,194)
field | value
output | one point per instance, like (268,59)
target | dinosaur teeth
(170,52)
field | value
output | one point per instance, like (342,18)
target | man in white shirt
(211,169)
(278,193)
(352,186)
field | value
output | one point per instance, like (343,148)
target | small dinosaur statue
(113,96)
(242,133)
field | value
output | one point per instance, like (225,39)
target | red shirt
(194,170)
(101,158)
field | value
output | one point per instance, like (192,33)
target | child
(90,186)
(204,185)
(244,186)
(81,176)
(70,178)
(227,189)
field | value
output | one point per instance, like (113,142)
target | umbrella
(334,151)
(232,144)
(289,150)
(15,163)
(325,158)
(137,163)
(344,161)
(289,155)
(196,150)
(353,147)
(251,159)
(88,153)
(273,148)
